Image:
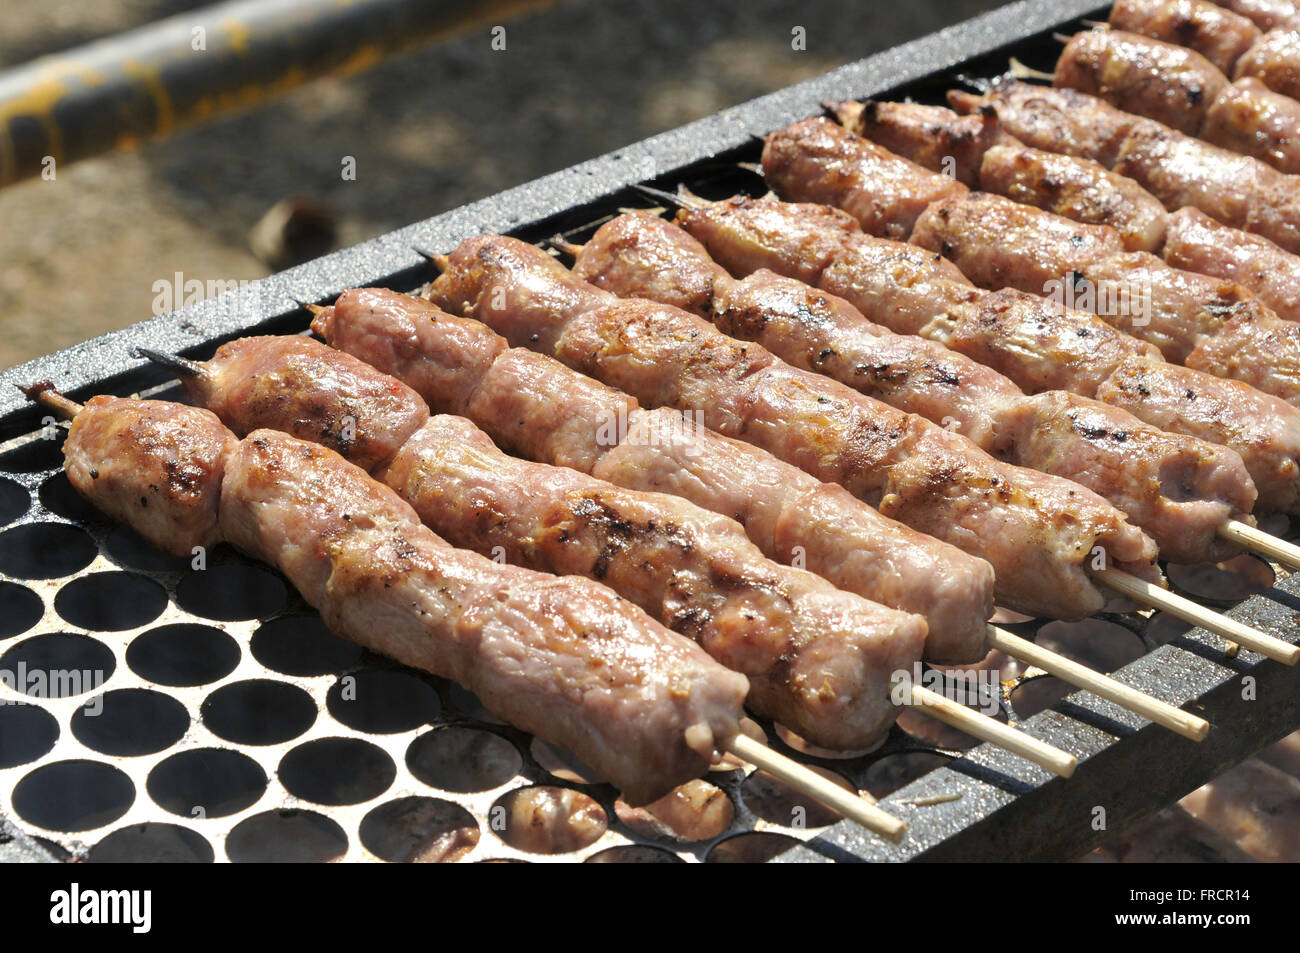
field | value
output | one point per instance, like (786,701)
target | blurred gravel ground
(79,255)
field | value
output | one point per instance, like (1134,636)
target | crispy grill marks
(1104,448)
(838,434)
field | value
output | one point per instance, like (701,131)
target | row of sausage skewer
(686,509)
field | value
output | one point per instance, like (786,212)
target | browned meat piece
(1038,345)
(981,156)
(805,162)
(819,660)
(1054,120)
(1170,84)
(1274,59)
(1078,189)
(563,658)
(311,391)
(1249,118)
(998,243)
(1177,169)
(790,515)
(153,465)
(1196,242)
(825,248)
(937,481)
(419,344)
(1236,352)
(1048,348)
(1103,448)
(933,137)
(1264,429)
(1237,190)
(1265,14)
(1218,34)
(794,517)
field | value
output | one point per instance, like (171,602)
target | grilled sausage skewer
(819,660)
(644,707)
(321,407)
(563,658)
(1177,169)
(1183,90)
(976,150)
(798,253)
(1104,448)
(1045,347)
(936,481)
(521,289)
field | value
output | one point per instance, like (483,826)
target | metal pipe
(120,91)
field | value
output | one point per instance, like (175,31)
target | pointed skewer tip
(173,362)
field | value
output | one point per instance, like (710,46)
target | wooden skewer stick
(1256,540)
(1153,709)
(991,730)
(1152,595)
(817,787)
(755,752)
(1019,70)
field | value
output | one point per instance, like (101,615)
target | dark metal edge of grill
(1005,808)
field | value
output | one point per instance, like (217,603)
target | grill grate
(235,727)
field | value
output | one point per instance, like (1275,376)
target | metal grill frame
(1007,809)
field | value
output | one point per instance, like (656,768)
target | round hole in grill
(232,591)
(184,653)
(633,854)
(57,665)
(110,601)
(463,759)
(689,813)
(1223,583)
(337,771)
(382,702)
(798,743)
(896,771)
(152,843)
(26,733)
(302,645)
(752,848)
(1164,627)
(130,721)
(20,609)
(419,830)
(562,763)
(206,782)
(258,712)
(547,820)
(73,795)
(37,455)
(126,546)
(14,500)
(45,550)
(1101,645)
(467,703)
(774,800)
(57,495)
(1038,694)
(287,837)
